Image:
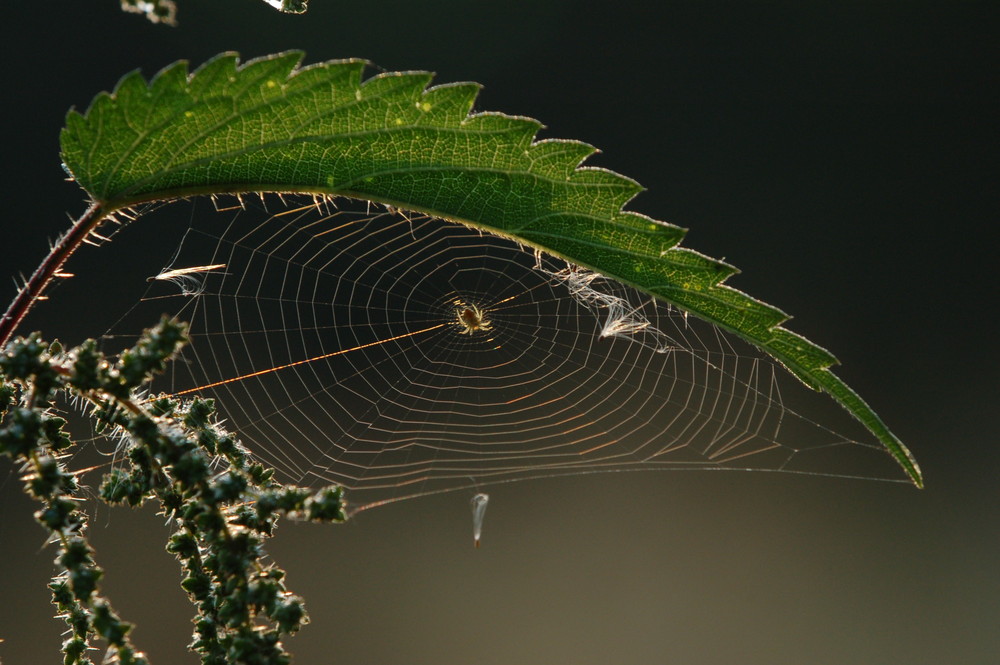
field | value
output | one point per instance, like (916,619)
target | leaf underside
(268,125)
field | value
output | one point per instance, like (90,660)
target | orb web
(401,355)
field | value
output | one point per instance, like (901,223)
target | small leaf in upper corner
(289,6)
(157,11)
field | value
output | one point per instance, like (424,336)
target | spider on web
(471,318)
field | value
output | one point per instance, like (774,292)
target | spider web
(337,345)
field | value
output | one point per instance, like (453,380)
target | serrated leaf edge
(776,340)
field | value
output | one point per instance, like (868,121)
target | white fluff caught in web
(479,502)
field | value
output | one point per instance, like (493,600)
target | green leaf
(289,6)
(156,11)
(270,126)
(165,11)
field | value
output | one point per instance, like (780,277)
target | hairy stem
(48,268)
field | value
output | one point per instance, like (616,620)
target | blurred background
(842,154)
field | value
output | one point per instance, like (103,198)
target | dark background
(841,153)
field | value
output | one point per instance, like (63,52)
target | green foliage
(165,11)
(269,126)
(155,11)
(289,6)
(224,505)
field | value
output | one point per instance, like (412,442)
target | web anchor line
(303,362)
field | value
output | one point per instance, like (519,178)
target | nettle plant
(270,125)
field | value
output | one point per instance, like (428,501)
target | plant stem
(48,268)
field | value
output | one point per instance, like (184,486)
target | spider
(471,318)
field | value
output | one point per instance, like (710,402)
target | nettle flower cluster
(224,505)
